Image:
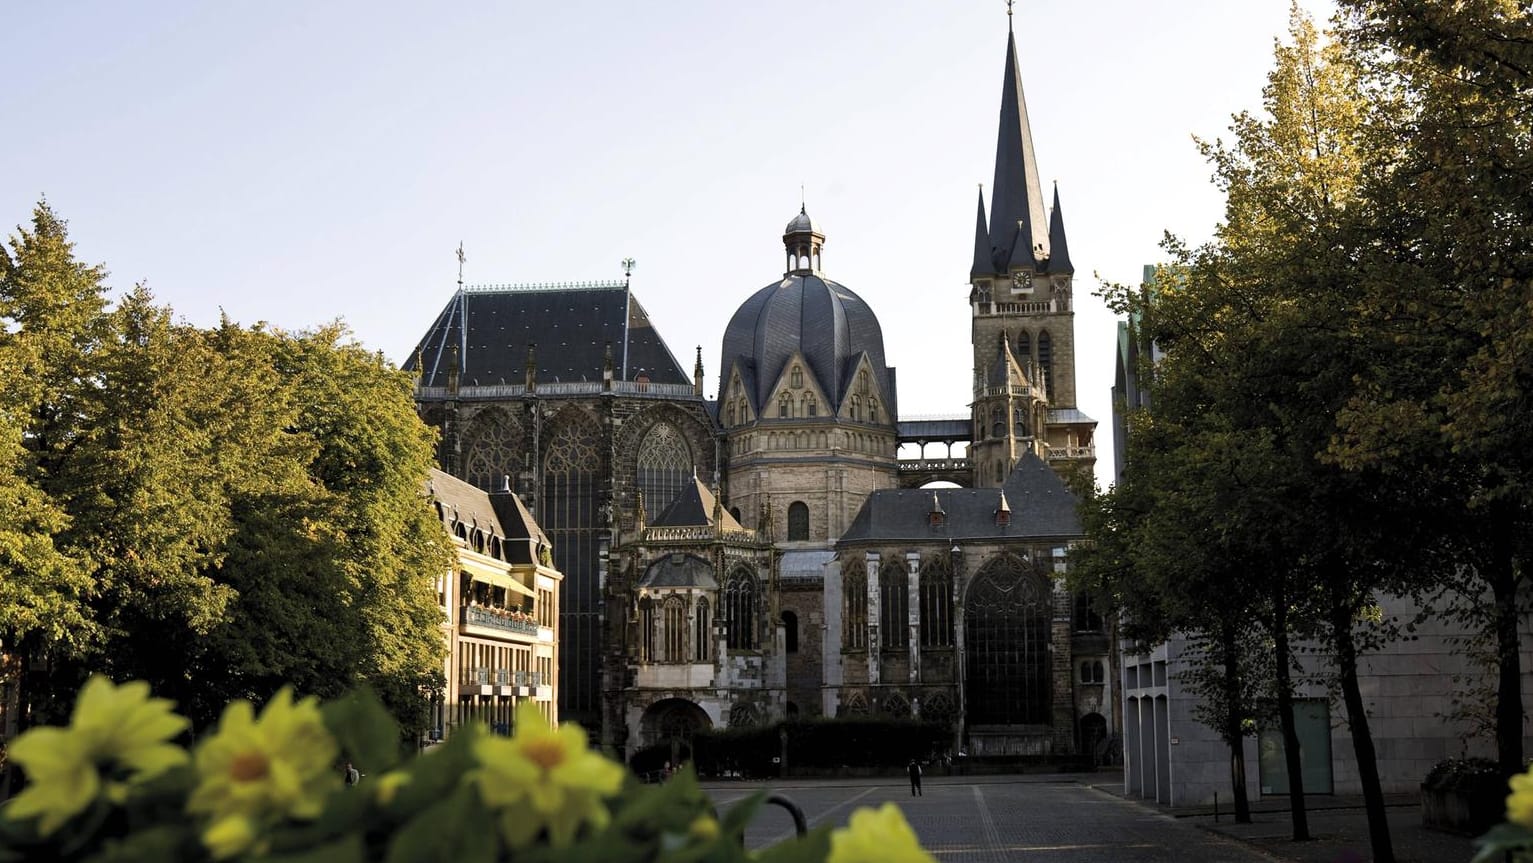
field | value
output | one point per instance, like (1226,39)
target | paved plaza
(1037,819)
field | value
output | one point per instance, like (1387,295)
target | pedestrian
(914,769)
(352,776)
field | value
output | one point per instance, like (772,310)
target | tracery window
(1006,633)
(740,606)
(663,467)
(646,630)
(674,639)
(854,605)
(1025,348)
(492,449)
(702,632)
(936,603)
(894,605)
(798,521)
(572,493)
(1046,362)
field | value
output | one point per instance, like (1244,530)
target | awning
(497,577)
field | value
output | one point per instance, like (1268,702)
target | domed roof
(825,321)
(800,224)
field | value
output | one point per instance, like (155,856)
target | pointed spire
(1059,251)
(1018,233)
(1003,511)
(1001,374)
(983,265)
(697,378)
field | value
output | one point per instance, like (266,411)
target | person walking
(353,776)
(914,770)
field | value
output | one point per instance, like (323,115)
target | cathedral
(769,555)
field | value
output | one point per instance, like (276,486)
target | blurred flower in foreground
(544,777)
(877,836)
(118,729)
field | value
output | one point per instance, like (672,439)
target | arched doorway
(669,725)
(1091,731)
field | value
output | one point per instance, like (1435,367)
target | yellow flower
(877,836)
(263,770)
(1519,804)
(388,785)
(544,777)
(704,828)
(116,728)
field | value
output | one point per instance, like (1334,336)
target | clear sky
(301,162)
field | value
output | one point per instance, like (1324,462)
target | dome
(800,224)
(809,314)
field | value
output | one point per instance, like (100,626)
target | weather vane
(461,259)
(628,265)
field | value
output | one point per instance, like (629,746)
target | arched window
(735,512)
(730,415)
(573,480)
(798,377)
(854,615)
(494,447)
(675,640)
(790,631)
(856,409)
(1046,362)
(873,410)
(740,605)
(1092,671)
(798,521)
(1025,348)
(702,632)
(1006,633)
(784,407)
(811,409)
(664,465)
(894,605)
(936,603)
(646,630)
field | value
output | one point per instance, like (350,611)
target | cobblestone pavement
(1032,819)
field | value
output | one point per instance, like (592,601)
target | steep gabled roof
(1017,226)
(493,327)
(693,507)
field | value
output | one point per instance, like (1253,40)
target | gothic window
(1025,348)
(810,408)
(702,632)
(664,466)
(572,496)
(854,617)
(784,407)
(997,423)
(1046,362)
(674,643)
(856,409)
(798,521)
(740,606)
(1086,617)
(730,416)
(790,631)
(873,410)
(1092,671)
(862,381)
(1000,472)
(937,604)
(798,377)
(492,449)
(646,630)
(894,605)
(1006,630)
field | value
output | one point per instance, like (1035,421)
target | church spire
(1018,232)
(1059,251)
(982,262)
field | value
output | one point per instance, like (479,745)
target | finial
(1008,15)
(461,259)
(801,198)
(628,265)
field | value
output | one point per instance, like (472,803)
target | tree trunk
(1503,585)
(1233,733)
(1285,713)
(1362,736)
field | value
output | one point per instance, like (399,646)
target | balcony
(501,619)
(1069,452)
(503,681)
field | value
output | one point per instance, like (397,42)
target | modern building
(499,608)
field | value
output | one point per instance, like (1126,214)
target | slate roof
(502,514)
(680,570)
(824,320)
(571,327)
(1041,508)
(693,507)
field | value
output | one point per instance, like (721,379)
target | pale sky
(301,162)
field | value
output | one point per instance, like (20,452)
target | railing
(1059,452)
(560,388)
(502,677)
(934,465)
(694,533)
(604,284)
(473,615)
(1037,307)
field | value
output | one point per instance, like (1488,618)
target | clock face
(1021,282)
